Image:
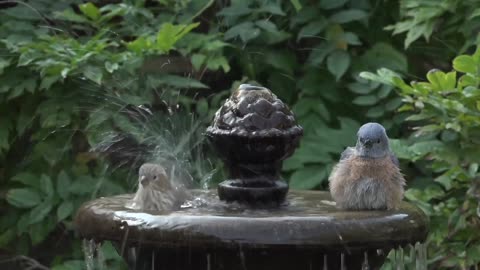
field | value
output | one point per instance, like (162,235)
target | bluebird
(368,176)
(156,191)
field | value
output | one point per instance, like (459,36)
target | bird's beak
(143,180)
(368,143)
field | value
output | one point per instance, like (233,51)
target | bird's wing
(348,152)
(394,159)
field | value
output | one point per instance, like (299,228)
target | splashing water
(94,257)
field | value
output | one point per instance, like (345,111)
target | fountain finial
(254,131)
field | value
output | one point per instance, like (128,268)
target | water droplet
(399,259)
(342,262)
(365,265)
(209,266)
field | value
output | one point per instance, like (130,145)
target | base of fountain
(250,259)
(253,192)
(216,235)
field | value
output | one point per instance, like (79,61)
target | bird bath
(253,222)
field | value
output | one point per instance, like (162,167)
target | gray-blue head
(372,141)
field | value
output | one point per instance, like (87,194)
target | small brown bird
(156,191)
(368,176)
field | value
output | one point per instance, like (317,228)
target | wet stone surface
(254,110)
(306,227)
(253,132)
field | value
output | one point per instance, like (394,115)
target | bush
(74,83)
(445,148)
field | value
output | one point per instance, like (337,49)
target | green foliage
(448,18)
(72,76)
(445,114)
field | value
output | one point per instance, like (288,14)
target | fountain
(252,221)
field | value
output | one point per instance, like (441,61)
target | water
(365,265)
(304,216)
(94,257)
(411,257)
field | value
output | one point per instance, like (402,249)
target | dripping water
(209,266)
(94,257)
(342,262)
(325,266)
(365,265)
(399,259)
(411,257)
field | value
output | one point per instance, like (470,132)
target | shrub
(445,149)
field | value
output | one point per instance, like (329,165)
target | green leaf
(48,81)
(83,185)
(425,147)
(38,213)
(308,177)
(90,10)
(70,265)
(296,4)
(23,197)
(312,29)
(417,31)
(393,104)
(331,4)
(202,107)
(63,184)
(6,237)
(383,75)
(246,31)
(39,231)
(3,64)
(365,100)
(351,38)
(235,10)
(319,53)
(401,149)
(28,179)
(169,34)
(27,58)
(216,62)
(346,16)
(70,15)
(272,8)
(46,185)
(375,112)
(465,64)
(282,60)
(5,126)
(383,55)
(362,88)
(198,60)
(64,210)
(111,67)
(338,63)
(176,81)
(94,74)
(442,81)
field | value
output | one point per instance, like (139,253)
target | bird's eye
(378,141)
(155,177)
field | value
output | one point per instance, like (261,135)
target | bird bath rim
(306,221)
